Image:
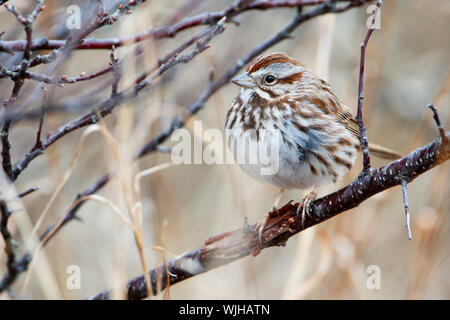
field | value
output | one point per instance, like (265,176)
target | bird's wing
(352,125)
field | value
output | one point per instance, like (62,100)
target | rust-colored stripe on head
(295,77)
(264,61)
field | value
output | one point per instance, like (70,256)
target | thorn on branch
(38,143)
(405,203)
(438,123)
(163,149)
(115,70)
(27,192)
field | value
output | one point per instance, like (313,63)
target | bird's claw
(260,229)
(305,205)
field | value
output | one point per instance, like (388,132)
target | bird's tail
(383,152)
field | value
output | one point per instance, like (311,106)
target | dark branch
(14,265)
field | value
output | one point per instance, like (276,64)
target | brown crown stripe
(264,61)
(292,78)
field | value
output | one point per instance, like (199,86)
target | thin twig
(41,118)
(359,117)
(169,31)
(438,123)
(27,192)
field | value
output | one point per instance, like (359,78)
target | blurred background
(407,68)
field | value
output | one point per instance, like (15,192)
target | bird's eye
(269,79)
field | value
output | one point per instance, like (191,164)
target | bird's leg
(262,224)
(310,197)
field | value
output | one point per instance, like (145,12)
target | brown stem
(359,118)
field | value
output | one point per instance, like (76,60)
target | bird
(317,135)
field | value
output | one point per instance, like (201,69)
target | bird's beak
(244,80)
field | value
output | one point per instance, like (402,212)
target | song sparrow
(318,135)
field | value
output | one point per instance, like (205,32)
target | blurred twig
(169,31)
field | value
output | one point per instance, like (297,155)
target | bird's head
(273,76)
